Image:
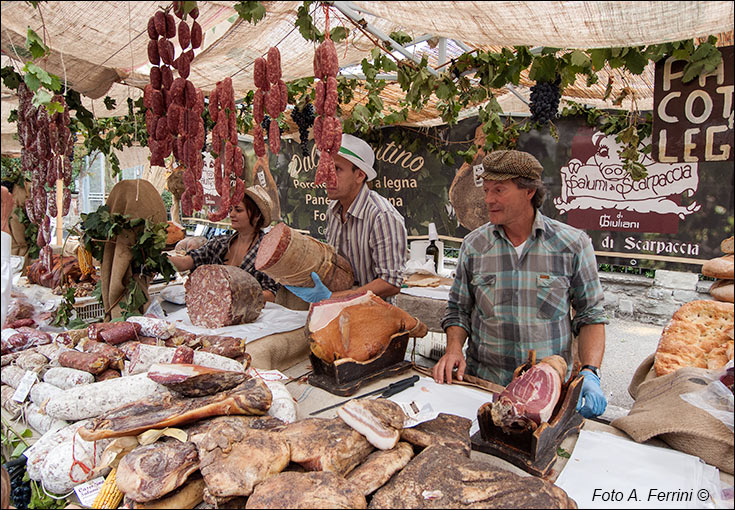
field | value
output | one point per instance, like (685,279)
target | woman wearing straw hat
(248,218)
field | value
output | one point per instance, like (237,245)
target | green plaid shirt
(509,305)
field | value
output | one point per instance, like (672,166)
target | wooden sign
(693,122)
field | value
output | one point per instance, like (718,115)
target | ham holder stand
(534,452)
(346,376)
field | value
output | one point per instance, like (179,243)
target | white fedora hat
(357,151)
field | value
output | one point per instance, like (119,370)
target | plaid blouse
(510,304)
(215,251)
(372,239)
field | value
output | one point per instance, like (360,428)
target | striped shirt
(215,252)
(510,304)
(372,239)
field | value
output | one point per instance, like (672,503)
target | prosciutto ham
(529,399)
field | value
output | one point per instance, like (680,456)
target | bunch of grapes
(304,119)
(20,491)
(266,124)
(545,97)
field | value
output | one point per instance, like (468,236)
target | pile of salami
(47,149)
(175,106)
(327,126)
(270,97)
(228,163)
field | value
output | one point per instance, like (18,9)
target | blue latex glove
(592,397)
(318,292)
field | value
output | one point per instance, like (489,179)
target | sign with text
(675,216)
(693,121)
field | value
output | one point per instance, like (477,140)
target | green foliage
(13,443)
(168,199)
(252,12)
(148,257)
(65,310)
(305,23)
(11,170)
(40,499)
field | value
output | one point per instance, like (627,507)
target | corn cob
(109,495)
(86,264)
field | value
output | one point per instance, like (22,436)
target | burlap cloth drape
(138,199)
(19,244)
(660,412)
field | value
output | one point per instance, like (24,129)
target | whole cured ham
(529,399)
(251,397)
(221,295)
(359,327)
(306,490)
(152,471)
(194,380)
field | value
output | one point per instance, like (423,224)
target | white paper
(273,319)
(441,292)
(87,491)
(24,387)
(607,471)
(199,229)
(432,398)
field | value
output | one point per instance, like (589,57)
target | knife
(385,392)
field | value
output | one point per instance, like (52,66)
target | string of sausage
(47,148)
(327,126)
(229,161)
(271,96)
(175,106)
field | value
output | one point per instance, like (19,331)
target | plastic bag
(716,398)
(175,294)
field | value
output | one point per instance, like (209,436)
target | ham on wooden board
(529,399)
(251,397)
(359,327)
(221,295)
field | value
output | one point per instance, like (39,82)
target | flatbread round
(723,290)
(720,267)
(698,335)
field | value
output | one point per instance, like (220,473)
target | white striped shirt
(372,239)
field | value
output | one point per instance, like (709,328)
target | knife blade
(385,392)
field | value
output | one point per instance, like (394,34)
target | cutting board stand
(534,452)
(346,376)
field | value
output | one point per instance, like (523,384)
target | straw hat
(262,200)
(504,165)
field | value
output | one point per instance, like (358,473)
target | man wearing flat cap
(517,277)
(363,226)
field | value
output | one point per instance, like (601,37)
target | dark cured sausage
(94,363)
(120,333)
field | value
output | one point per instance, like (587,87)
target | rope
(326,21)
(79,463)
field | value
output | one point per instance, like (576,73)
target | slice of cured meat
(234,458)
(251,397)
(379,420)
(441,477)
(446,429)
(221,295)
(361,329)
(379,467)
(529,399)
(152,471)
(306,490)
(194,380)
(319,444)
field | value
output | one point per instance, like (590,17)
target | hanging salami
(228,156)
(327,126)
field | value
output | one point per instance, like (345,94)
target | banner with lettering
(673,218)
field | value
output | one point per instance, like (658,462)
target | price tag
(87,491)
(24,387)
(261,178)
(477,171)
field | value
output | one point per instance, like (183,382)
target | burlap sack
(19,244)
(660,412)
(138,199)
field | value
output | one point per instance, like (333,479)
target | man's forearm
(379,287)
(592,344)
(456,336)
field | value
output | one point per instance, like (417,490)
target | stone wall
(651,300)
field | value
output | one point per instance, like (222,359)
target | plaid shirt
(372,239)
(509,305)
(215,251)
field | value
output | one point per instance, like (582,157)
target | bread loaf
(699,334)
(723,290)
(727,246)
(720,267)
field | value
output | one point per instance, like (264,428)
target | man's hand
(312,294)
(592,396)
(443,369)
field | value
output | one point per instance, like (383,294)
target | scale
(346,376)
(534,452)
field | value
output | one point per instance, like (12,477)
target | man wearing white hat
(363,226)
